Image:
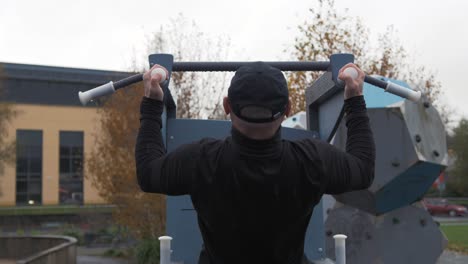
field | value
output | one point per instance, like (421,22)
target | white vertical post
(165,249)
(340,248)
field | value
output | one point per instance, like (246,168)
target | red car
(441,206)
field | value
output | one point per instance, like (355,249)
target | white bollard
(165,249)
(340,248)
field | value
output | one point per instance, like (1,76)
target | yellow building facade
(54,134)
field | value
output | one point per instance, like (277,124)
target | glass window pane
(21,198)
(35,176)
(29,166)
(21,151)
(77,151)
(71,138)
(66,177)
(21,187)
(64,165)
(21,165)
(64,192)
(34,187)
(35,165)
(71,192)
(34,199)
(71,167)
(77,165)
(29,137)
(35,151)
(64,151)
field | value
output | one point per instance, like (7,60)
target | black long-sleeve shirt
(254,198)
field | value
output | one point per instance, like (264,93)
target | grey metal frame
(181,221)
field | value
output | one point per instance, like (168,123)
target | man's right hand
(353,87)
(151,83)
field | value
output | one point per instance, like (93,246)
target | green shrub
(110,252)
(118,253)
(35,233)
(73,232)
(147,251)
(432,192)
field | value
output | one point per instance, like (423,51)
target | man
(253,192)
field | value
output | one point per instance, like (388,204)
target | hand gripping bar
(111,87)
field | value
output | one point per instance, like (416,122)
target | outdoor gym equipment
(411,152)
(334,65)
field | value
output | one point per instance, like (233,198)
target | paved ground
(448,220)
(99,260)
(449,257)
(92,255)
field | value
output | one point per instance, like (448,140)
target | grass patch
(457,236)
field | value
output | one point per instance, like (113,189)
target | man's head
(257,100)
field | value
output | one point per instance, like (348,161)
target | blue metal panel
(314,246)
(181,218)
(329,116)
(182,226)
(183,131)
(408,187)
(164,123)
(166,61)
(337,61)
(377,97)
(181,222)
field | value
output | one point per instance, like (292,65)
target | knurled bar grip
(111,87)
(233,66)
(230,66)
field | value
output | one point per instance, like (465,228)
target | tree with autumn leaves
(330,30)
(111,164)
(457,180)
(7,113)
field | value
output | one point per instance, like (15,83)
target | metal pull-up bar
(111,87)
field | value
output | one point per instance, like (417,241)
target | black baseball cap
(258,93)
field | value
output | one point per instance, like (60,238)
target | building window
(28,167)
(71,168)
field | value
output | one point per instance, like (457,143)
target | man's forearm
(149,144)
(360,141)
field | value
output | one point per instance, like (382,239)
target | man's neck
(255,133)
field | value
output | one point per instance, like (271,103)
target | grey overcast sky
(105,34)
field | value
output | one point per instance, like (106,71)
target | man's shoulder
(210,140)
(213,143)
(307,145)
(301,142)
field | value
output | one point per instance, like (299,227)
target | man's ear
(226,105)
(288,108)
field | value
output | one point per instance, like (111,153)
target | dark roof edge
(23,66)
(53,73)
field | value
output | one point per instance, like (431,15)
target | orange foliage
(111,166)
(329,31)
(7,113)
